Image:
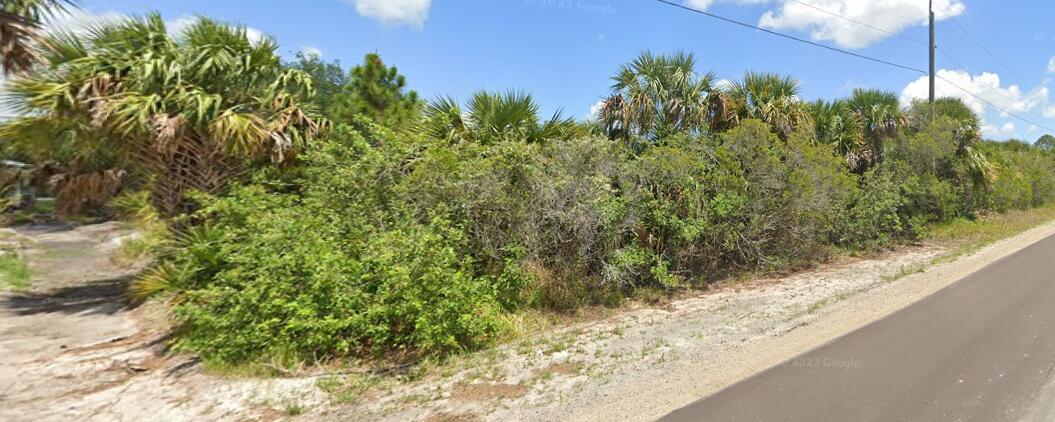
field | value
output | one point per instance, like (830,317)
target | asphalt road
(982,349)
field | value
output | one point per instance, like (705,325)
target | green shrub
(1021,165)
(14,273)
(675,227)
(793,190)
(381,242)
(339,269)
(292,291)
(876,214)
(705,207)
(547,213)
(1010,191)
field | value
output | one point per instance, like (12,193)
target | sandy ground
(646,362)
(1044,409)
(71,349)
(626,361)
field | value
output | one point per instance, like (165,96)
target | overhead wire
(956,23)
(790,37)
(850,53)
(885,31)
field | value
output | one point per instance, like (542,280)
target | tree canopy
(1046,142)
(657,95)
(188,111)
(20,22)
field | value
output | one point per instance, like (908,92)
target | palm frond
(188,108)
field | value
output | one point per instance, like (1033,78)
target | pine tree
(378,92)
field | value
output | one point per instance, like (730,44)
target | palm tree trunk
(193,164)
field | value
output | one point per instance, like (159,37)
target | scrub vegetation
(301,212)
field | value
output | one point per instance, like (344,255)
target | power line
(861,56)
(888,32)
(994,105)
(791,37)
(947,55)
(979,44)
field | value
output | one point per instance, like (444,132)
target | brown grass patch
(484,392)
(452,417)
(565,368)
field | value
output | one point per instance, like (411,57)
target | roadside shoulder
(701,376)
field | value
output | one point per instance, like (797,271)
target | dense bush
(873,216)
(1024,178)
(747,199)
(336,269)
(416,227)
(382,241)
(586,215)
(422,238)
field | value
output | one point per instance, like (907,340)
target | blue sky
(564,51)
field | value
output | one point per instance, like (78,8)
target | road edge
(702,376)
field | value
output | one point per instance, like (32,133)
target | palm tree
(1046,142)
(20,28)
(768,97)
(968,126)
(836,125)
(491,118)
(189,111)
(967,133)
(654,96)
(881,114)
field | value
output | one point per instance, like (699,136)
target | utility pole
(931,9)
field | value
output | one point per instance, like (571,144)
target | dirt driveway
(73,348)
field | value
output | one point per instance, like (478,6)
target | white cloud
(255,35)
(699,4)
(1032,128)
(310,51)
(986,85)
(5,110)
(407,12)
(1049,112)
(890,15)
(79,21)
(818,17)
(177,26)
(1051,65)
(704,4)
(1007,129)
(595,110)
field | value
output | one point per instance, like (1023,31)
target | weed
(293,409)
(816,306)
(346,389)
(14,273)
(970,235)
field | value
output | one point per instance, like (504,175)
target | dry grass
(967,236)
(486,392)
(14,273)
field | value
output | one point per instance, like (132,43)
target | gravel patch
(645,362)
(71,349)
(645,343)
